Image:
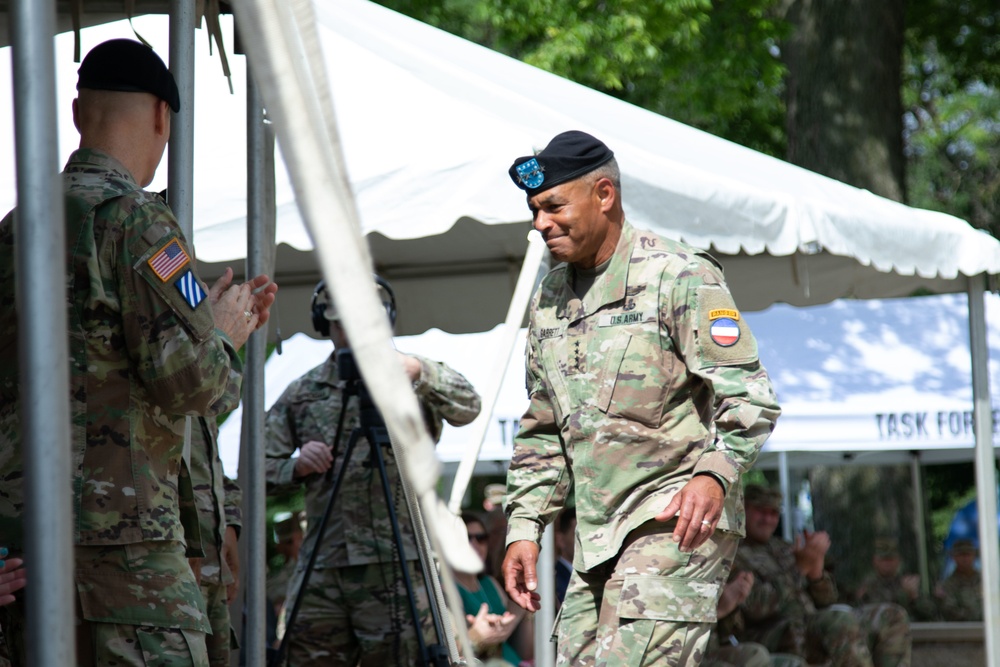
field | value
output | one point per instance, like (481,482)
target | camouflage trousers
(887,633)
(221,641)
(873,635)
(741,655)
(136,605)
(358,615)
(652,605)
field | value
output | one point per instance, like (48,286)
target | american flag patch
(169,260)
(190,289)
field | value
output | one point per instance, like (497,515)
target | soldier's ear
(162,118)
(606,193)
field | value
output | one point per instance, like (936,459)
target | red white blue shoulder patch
(169,260)
(725,328)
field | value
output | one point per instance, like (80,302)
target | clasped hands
(241,309)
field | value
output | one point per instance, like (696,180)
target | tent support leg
(784,478)
(535,260)
(260,259)
(42,340)
(989,549)
(920,522)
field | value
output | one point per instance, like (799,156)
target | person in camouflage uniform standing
(217,500)
(961,594)
(148,345)
(792,606)
(354,609)
(887,584)
(647,403)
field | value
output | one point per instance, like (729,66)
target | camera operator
(355,607)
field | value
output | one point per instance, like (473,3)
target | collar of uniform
(609,286)
(83,158)
(330,370)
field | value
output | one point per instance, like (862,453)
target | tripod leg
(377,438)
(281,653)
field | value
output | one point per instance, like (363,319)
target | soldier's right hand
(233,312)
(810,552)
(519,576)
(314,457)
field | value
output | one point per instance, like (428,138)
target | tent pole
(989,548)
(784,481)
(920,522)
(527,281)
(251,472)
(546,616)
(42,339)
(180,161)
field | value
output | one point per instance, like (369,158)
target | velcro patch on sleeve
(723,336)
(170,259)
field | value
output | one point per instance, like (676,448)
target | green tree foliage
(712,65)
(951,95)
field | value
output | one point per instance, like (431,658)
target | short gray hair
(610,171)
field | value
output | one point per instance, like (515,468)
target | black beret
(128,66)
(568,156)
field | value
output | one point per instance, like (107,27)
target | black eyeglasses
(482,538)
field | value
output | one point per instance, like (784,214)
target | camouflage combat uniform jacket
(142,355)
(875,589)
(962,597)
(630,396)
(359,531)
(780,593)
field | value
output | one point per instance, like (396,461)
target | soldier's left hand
(697,508)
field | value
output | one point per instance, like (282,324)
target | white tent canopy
(431,124)
(859,381)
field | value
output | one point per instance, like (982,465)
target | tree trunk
(845,113)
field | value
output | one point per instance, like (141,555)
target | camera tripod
(373,430)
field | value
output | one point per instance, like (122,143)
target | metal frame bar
(43,340)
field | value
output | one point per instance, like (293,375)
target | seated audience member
(495,626)
(724,650)
(887,584)
(961,594)
(564,537)
(288,538)
(791,605)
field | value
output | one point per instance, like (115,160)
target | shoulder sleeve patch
(169,278)
(724,339)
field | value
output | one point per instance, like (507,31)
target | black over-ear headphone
(318,311)
(317,307)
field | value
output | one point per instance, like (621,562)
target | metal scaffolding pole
(42,339)
(986,482)
(260,254)
(180,167)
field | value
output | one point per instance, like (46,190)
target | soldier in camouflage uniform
(148,345)
(288,537)
(724,650)
(217,500)
(355,609)
(886,584)
(647,402)
(961,594)
(791,606)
